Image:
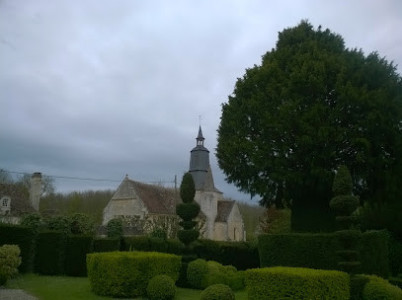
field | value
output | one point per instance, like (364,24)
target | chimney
(35,191)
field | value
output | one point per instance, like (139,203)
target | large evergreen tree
(310,106)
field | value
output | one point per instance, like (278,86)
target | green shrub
(320,251)
(395,255)
(357,284)
(161,287)
(106,244)
(77,247)
(49,257)
(24,237)
(139,243)
(296,283)
(9,261)
(186,236)
(201,274)
(217,292)
(242,255)
(114,228)
(378,288)
(126,274)
(81,224)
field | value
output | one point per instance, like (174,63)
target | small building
(143,208)
(14,202)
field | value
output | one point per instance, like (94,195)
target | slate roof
(19,198)
(157,199)
(224,209)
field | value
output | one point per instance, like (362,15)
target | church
(142,205)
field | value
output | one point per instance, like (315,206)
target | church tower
(200,168)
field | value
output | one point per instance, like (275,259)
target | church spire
(200,138)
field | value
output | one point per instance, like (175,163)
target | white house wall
(123,209)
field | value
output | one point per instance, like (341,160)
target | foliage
(58,223)
(114,228)
(161,226)
(24,237)
(81,224)
(296,283)
(161,287)
(276,221)
(126,274)
(320,251)
(379,288)
(90,203)
(147,243)
(251,214)
(395,254)
(242,255)
(76,250)
(9,261)
(217,292)
(187,188)
(33,221)
(293,119)
(50,253)
(202,273)
(106,244)
(187,211)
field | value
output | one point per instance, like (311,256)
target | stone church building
(143,205)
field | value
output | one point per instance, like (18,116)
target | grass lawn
(67,288)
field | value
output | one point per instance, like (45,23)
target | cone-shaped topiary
(187,211)
(187,188)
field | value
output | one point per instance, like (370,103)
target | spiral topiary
(161,287)
(217,292)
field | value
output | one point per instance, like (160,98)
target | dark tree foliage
(311,106)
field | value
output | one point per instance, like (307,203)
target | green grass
(68,288)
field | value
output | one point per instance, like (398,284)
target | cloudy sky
(98,89)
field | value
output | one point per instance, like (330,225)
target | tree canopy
(313,105)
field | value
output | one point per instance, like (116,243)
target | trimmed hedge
(77,247)
(49,257)
(320,251)
(395,255)
(379,288)
(296,283)
(126,274)
(24,237)
(201,274)
(146,243)
(106,244)
(242,255)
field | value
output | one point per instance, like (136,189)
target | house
(146,207)
(143,207)
(14,202)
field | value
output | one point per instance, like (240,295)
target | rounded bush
(196,273)
(161,287)
(188,211)
(217,292)
(9,261)
(344,205)
(188,224)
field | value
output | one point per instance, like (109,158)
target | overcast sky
(100,89)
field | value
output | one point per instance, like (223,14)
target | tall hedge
(319,251)
(50,253)
(106,244)
(242,255)
(77,248)
(147,243)
(24,237)
(296,283)
(126,274)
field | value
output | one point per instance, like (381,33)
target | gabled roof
(19,198)
(224,209)
(157,199)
